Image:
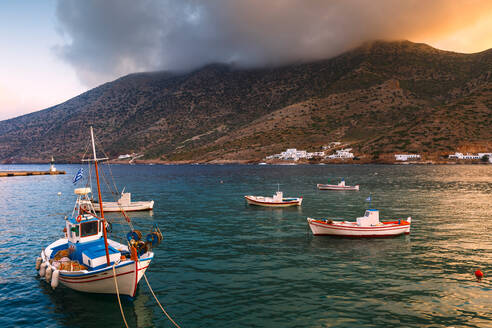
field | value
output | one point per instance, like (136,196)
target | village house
(341,154)
(406,157)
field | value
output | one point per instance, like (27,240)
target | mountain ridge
(213,112)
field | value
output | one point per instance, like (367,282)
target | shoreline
(255,162)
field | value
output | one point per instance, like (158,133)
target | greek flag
(78,176)
(368,199)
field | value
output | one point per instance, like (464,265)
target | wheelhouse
(85,235)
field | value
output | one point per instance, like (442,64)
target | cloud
(107,39)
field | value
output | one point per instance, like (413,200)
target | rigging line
(116,201)
(114,184)
(89,169)
(167,315)
(118,295)
(110,172)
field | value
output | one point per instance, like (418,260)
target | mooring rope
(118,295)
(167,315)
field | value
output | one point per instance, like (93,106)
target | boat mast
(100,199)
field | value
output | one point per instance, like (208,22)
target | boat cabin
(85,238)
(278,197)
(370,218)
(125,199)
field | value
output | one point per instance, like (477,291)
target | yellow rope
(118,294)
(167,315)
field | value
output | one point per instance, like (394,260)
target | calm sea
(225,264)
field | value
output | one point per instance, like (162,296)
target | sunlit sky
(36,73)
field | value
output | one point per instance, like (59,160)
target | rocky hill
(381,97)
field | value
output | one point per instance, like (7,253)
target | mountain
(380,98)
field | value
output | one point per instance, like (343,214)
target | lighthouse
(52,165)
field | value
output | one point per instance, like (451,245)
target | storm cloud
(110,38)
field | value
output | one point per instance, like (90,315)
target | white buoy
(59,193)
(54,278)
(47,274)
(38,262)
(42,269)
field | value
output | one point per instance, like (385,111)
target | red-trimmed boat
(277,200)
(366,226)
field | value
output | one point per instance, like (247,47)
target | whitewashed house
(467,156)
(292,154)
(406,157)
(342,154)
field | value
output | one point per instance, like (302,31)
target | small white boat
(277,200)
(339,186)
(366,226)
(125,204)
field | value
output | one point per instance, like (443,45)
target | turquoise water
(225,264)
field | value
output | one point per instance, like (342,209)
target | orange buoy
(479,274)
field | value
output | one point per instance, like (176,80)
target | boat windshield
(88,228)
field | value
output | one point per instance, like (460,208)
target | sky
(53,50)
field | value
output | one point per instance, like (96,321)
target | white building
(344,153)
(292,154)
(406,157)
(467,156)
(124,156)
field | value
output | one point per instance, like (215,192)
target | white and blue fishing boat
(86,260)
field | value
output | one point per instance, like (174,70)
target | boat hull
(134,206)
(101,281)
(259,201)
(336,187)
(128,274)
(350,229)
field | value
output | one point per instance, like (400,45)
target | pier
(26,173)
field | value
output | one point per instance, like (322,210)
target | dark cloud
(110,38)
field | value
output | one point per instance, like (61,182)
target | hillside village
(330,153)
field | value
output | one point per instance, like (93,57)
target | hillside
(381,97)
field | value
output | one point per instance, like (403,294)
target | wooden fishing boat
(277,200)
(125,204)
(340,186)
(87,260)
(366,226)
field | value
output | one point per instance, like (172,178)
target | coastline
(257,162)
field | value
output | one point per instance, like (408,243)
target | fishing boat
(124,204)
(86,260)
(366,226)
(340,186)
(277,200)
